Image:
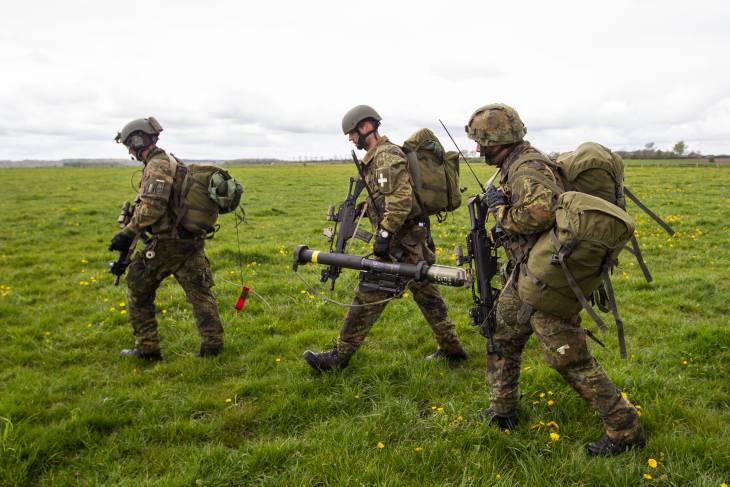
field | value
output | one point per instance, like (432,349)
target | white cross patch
(382,180)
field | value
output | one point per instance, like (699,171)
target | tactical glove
(494,198)
(122,240)
(381,246)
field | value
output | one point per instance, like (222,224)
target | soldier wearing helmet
(523,208)
(171,250)
(402,233)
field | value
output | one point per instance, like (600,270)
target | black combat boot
(325,360)
(154,356)
(607,446)
(456,356)
(504,422)
(209,350)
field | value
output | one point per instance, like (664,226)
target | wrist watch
(384,233)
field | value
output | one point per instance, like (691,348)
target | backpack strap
(635,250)
(614,309)
(516,171)
(653,215)
(562,252)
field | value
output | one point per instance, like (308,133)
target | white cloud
(272,79)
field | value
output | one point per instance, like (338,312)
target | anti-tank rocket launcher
(378,275)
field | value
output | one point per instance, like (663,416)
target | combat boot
(154,356)
(209,351)
(325,360)
(607,446)
(504,422)
(458,355)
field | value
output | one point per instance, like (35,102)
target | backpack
(596,170)
(569,262)
(434,173)
(200,193)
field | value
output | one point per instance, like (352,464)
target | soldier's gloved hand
(381,246)
(117,268)
(122,240)
(494,198)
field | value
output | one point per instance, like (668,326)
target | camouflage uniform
(386,173)
(530,211)
(177,253)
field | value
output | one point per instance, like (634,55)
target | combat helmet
(495,124)
(149,126)
(356,115)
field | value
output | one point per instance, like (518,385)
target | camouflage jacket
(531,202)
(152,213)
(387,176)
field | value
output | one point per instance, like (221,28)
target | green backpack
(598,171)
(569,262)
(200,193)
(434,173)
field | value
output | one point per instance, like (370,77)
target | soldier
(401,230)
(171,251)
(523,208)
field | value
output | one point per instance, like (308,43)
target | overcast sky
(231,79)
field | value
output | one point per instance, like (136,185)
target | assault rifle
(378,275)
(346,226)
(482,259)
(119,266)
(347,221)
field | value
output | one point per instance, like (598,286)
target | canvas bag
(434,172)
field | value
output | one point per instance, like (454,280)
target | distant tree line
(679,151)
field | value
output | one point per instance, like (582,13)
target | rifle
(482,259)
(346,227)
(119,266)
(377,275)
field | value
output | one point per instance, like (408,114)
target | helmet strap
(362,138)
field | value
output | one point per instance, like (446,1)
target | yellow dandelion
(684,362)
(433,408)
(405,294)
(723,484)
(553,424)
(535,402)
(550,393)
(123,312)
(46,333)
(112,308)
(542,395)
(164,311)
(550,403)
(229,400)
(498,477)
(624,395)
(88,325)
(381,445)
(418,449)
(84,261)
(357,396)
(647,476)
(122,304)
(652,463)
(302,291)
(637,406)
(440,410)
(554,436)
(278,360)
(460,418)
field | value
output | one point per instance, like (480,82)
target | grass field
(73,413)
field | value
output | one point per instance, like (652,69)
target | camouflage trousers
(360,319)
(185,259)
(564,348)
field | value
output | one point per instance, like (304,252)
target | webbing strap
(614,311)
(635,250)
(574,284)
(653,215)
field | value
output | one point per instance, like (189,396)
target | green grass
(73,413)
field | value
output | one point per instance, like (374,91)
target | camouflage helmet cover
(495,124)
(147,125)
(356,115)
